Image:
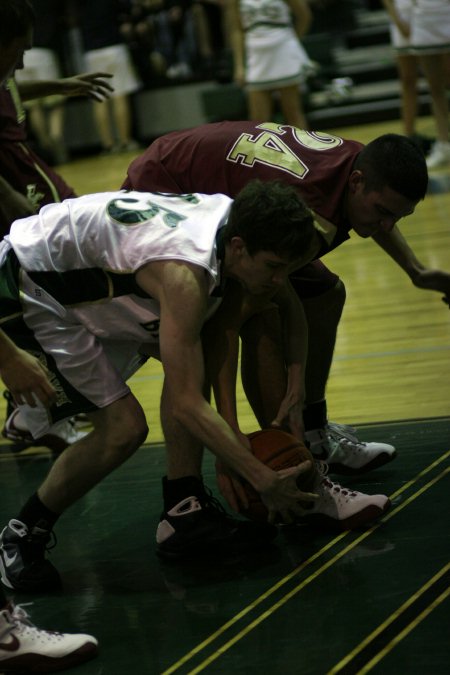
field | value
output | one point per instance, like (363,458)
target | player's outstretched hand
(434,280)
(283,499)
(92,85)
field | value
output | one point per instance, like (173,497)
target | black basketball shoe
(23,565)
(199,525)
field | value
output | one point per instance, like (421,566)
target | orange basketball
(278,450)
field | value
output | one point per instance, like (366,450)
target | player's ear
(237,245)
(355,180)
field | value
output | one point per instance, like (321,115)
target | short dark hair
(271,216)
(394,161)
(16,19)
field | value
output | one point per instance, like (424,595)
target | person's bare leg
(184,453)
(433,66)
(292,107)
(119,430)
(323,314)
(103,121)
(262,363)
(408,71)
(260,105)
(263,370)
(122,118)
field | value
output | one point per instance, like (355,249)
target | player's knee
(330,302)
(265,323)
(123,435)
(339,293)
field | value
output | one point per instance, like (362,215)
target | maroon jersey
(19,165)
(225,156)
(12,114)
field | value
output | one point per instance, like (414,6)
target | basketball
(278,450)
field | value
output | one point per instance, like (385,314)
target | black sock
(36,514)
(174,491)
(315,415)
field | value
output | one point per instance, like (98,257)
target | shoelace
(47,539)
(337,487)
(208,501)
(19,615)
(340,431)
(323,468)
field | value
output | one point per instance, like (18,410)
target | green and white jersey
(81,255)
(68,291)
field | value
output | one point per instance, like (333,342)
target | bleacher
(358,51)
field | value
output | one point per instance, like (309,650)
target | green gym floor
(314,603)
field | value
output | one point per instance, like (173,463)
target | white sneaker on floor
(439,155)
(340,448)
(27,649)
(341,508)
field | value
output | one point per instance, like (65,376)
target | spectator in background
(105,50)
(268,55)
(140,28)
(407,65)
(175,40)
(26,182)
(43,62)
(422,31)
(209,29)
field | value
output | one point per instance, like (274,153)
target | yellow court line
(393,617)
(398,638)
(221,650)
(427,469)
(187,657)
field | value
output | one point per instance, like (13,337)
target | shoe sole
(213,549)
(380,460)
(361,520)
(43,663)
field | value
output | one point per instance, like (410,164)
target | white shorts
(398,40)
(117,362)
(274,60)
(39,64)
(87,372)
(117,61)
(430,27)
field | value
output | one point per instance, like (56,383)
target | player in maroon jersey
(348,186)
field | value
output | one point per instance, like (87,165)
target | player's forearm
(221,367)
(302,16)
(294,326)
(8,350)
(205,424)
(38,89)
(396,246)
